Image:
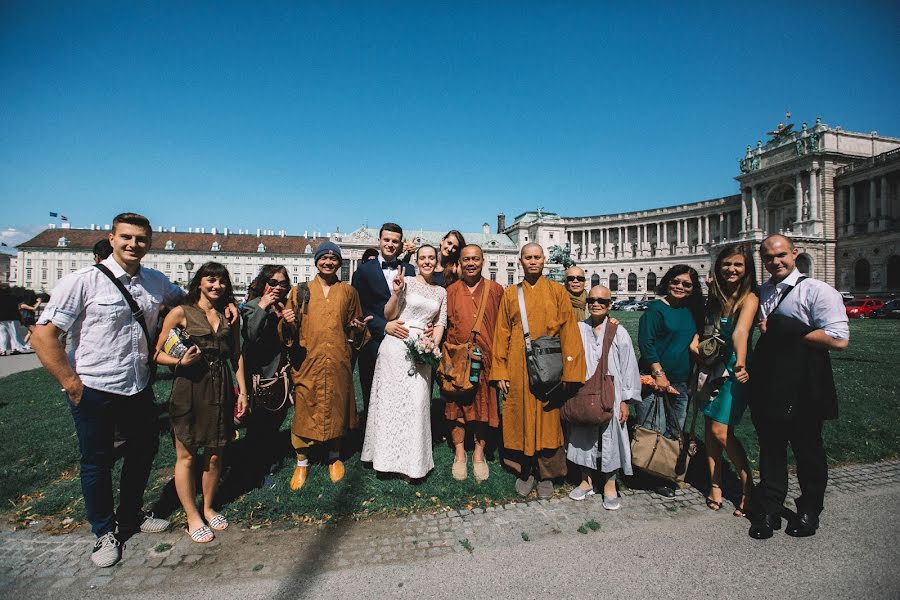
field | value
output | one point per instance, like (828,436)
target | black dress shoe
(804,525)
(665,491)
(763,528)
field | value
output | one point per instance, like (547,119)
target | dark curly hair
(256,289)
(694,302)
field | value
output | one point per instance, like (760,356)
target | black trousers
(804,434)
(366,361)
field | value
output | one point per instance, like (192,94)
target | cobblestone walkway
(36,561)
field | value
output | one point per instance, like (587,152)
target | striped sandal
(218,523)
(201,535)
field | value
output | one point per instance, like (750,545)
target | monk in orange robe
(532,433)
(479,408)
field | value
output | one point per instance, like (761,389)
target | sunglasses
(284,283)
(600,301)
(684,284)
(575,278)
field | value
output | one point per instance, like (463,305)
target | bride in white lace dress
(398,428)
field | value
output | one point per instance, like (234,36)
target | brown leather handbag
(656,454)
(456,359)
(593,403)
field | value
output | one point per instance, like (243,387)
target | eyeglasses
(284,283)
(600,301)
(684,284)
(575,278)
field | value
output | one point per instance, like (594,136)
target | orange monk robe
(324,400)
(527,426)
(462,308)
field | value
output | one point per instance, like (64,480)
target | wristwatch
(657,373)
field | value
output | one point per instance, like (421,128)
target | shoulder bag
(712,344)
(543,357)
(455,368)
(658,455)
(272,393)
(593,403)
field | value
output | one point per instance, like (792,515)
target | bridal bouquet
(423,351)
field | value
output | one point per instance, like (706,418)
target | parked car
(847,296)
(862,308)
(891,310)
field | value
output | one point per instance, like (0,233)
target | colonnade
(856,215)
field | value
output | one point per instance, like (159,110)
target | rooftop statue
(562,256)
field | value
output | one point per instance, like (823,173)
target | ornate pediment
(361,236)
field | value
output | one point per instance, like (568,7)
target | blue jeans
(679,405)
(96,418)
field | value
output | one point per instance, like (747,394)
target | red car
(862,309)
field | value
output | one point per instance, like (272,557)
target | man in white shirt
(107,378)
(793,389)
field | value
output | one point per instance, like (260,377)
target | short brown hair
(133,219)
(392,227)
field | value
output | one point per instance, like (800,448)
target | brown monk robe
(324,400)
(532,430)
(478,409)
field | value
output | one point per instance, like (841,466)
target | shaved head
(531,247)
(777,237)
(575,280)
(472,248)
(600,291)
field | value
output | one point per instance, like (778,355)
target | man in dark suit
(372,281)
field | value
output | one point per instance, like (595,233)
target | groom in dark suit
(372,281)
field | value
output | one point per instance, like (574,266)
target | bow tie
(389,265)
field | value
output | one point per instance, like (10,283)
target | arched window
(804,264)
(595,280)
(651,281)
(613,282)
(862,275)
(893,272)
(632,282)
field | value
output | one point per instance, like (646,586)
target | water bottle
(475,368)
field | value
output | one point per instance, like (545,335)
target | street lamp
(189,265)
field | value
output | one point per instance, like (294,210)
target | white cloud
(11,236)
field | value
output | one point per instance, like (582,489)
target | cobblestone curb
(34,560)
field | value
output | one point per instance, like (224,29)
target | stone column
(813,194)
(873,220)
(884,202)
(754,207)
(840,207)
(706,229)
(851,225)
(745,202)
(798,190)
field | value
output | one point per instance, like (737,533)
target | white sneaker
(107,551)
(152,524)
(579,493)
(611,503)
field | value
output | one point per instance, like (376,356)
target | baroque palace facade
(834,192)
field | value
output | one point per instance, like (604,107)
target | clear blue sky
(311,115)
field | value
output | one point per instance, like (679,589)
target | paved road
(652,548)
(17,363)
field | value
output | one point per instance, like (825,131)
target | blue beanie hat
(327,248)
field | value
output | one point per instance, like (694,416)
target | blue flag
(54,214)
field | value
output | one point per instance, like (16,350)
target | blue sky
(310,116)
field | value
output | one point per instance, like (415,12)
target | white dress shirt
(813,302)
(389,274)
(109,350)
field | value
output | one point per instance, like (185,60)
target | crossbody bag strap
(787,292)
(524,316)
(608,338)
(481,308)
(136,310)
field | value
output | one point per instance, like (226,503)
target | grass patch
(592,525)
(525,537)
(39,453)
(164,547)
(467,545)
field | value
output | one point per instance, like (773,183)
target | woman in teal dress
(732,303)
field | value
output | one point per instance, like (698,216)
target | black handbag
(543,357)
(272,393)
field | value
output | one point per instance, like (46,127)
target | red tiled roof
(84,239)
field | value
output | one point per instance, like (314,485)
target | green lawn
(39,454)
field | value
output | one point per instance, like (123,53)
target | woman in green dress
(202,405)
(732,304)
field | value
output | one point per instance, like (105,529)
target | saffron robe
(529,425)
(462,308)
(324,400)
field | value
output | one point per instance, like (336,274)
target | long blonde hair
(718,299)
